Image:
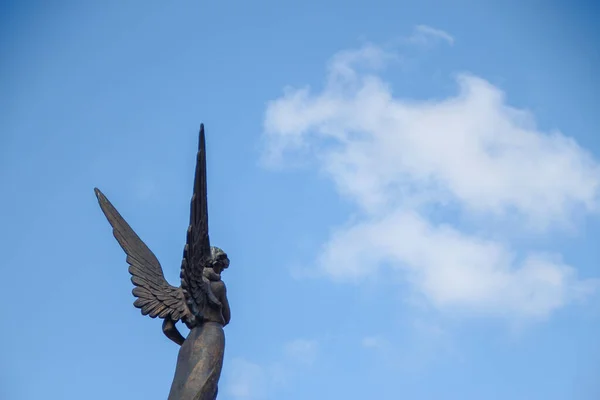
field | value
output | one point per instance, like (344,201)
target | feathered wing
(196,253)
(155,297)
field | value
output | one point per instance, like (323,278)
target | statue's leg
(199,364)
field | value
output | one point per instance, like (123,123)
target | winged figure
(201,300)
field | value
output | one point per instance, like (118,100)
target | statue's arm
(170,331)
(225,306)
(211,296)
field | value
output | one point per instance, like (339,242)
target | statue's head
(220,261)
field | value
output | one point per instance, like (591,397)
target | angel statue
(201,300)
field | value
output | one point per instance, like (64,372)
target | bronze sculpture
(201,301)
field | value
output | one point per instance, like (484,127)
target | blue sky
(408,194)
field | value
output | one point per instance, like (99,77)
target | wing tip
(99,195)
(201,139)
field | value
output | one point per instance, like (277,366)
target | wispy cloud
(424,342)
(248,380)
(374,342)
(423,34)
(395,158)
(302,350)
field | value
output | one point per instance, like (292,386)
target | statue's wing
(196,254)
(155,297)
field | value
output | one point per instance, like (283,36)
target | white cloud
(302,350)
(423,343)
(251,381)
(424,34)
(453,270)
(394,157)
(247,380)
(375,342)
